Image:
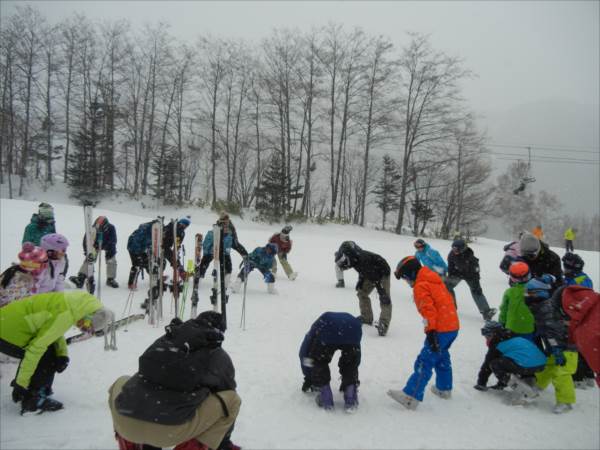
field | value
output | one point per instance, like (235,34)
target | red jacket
(582,305)
(434,302)
(283,246)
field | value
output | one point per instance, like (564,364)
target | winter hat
(212,318)
(54,242)
(185,221)
(102,318)
(45,211)
(407,268)
(419,243)
(101,223)
(572,263)
(519,272)
(539,287)
(530,245)
(223,216)
(32,259)
(459,245)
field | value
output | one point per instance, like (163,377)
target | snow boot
(445,394)
(38,403)
(112,283)
(325,397)
(293,276)
(562,408)
(78,280)
(351,398)
(407,401)
(489,314)
(340,284)
(523,393)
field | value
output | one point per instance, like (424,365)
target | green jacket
(514,313)
(36,322)
(36,229)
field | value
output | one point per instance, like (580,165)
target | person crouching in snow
(514,361)
(552,330)
(183,395)
(330,332)
(20,280)
(33,329)
(262,259)
(52,279)
(436,305)
(284,244)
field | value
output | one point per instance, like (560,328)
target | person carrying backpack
(20,280)
(183,394)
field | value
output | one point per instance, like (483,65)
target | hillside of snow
(275,413)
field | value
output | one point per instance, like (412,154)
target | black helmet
(419,244)
(407,268)
(459,245)
(491,328)
(287,229)
(572,263)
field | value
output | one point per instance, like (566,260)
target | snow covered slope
(275,413)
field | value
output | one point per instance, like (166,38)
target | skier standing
(429,257)
(32,330)
(284,244)
(105,238)
(183,394)
(20,280)
(569,238)
(41,224)
(262,259)
(463,265)
(330,332)
(436,306)
(52,278)
(550,327)
(373,273)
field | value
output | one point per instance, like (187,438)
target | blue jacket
(207,243)
(260,259)
(522,351)
(431,258)
(580,279)
(141,239)
(330,329)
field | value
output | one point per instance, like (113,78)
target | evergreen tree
(387,190)
(165,170)
(270,195)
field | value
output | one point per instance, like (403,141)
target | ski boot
(562,408)
(325,397)
(340,284)
(489,314)
(351,398)
(78,280)
(112,283)
(39,402)
(407,401)
(445,394)
(523,393)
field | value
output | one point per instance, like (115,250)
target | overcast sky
(537,63)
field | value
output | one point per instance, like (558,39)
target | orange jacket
(538,233)
(434,302)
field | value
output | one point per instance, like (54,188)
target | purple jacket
(52,279)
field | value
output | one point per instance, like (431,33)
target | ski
(197,259)
(215,273)
(118,323)
(175,266)
(154,305)
(222,280)
(89,243)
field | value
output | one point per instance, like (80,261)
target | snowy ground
(275,413)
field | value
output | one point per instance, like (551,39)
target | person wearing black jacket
(183,394)
(463,265)
(540,259)
(373,273)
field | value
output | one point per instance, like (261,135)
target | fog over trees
(302,125)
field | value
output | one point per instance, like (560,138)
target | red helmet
(33,259)
(519,272)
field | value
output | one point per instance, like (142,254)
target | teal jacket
(36,229)
(514,313)
(35,323)
(261,259)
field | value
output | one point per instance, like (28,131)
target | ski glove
(19,392)
(91,257)
(559,356)
(61,363)
(432,340)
